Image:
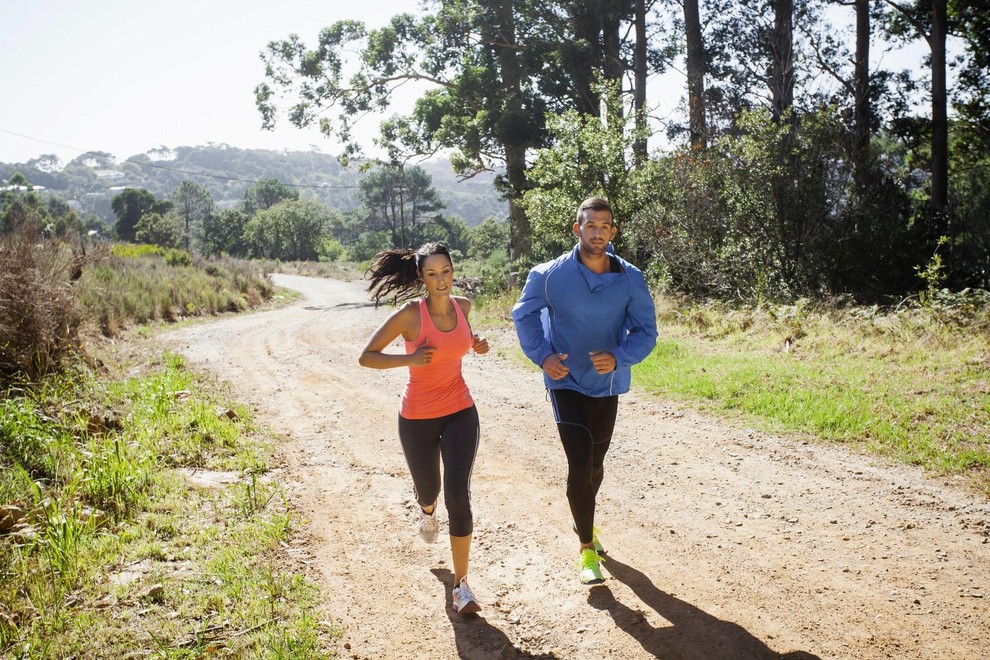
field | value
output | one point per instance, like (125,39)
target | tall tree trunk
(862,111)
(520,239)
(639,93)
(611,22)
(586,58)
(695,74)
(940,122)
(782,60)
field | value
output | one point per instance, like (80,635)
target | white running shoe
(463,598)
(428,525)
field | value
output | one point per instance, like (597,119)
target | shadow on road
(344,305)
(692,633)
(474,636)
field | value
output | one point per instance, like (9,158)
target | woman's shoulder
(409,311)
(463,303)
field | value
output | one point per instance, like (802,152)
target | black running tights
(454,438)
(585,425)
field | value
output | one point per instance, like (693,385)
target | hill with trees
(90,181)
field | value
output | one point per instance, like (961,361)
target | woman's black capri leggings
(454,439)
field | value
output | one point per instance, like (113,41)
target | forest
(796,168)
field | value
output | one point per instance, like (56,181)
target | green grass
(121,553)
(905,385)
(142,284)
(912,384)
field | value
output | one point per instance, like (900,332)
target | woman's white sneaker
(428,525)
(464,600)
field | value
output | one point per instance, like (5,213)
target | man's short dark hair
(593,204)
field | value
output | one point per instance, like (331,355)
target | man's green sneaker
(591,571)
(594,538)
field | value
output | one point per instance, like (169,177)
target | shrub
(37,325)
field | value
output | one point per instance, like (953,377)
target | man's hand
(554,365)
(603,361)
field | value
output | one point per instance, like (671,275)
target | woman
(437,416)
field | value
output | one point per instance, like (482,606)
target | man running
(586,317)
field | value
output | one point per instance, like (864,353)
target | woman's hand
(479,344)
(422,356)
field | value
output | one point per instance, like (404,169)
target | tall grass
(142,284)
(912,384)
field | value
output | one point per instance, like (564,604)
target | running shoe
(463,599)
(591,570)
(594,538)
(428,526)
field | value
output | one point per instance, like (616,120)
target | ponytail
(397,271)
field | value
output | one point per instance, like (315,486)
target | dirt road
(721,542)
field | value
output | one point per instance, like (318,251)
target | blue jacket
(566,308)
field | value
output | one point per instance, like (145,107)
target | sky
(129,76)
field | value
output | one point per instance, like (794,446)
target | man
(586,317)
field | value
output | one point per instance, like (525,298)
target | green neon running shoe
(594,538)
(591,571)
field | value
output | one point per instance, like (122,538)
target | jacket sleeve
(527,316)
(640,325)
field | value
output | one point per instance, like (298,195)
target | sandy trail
(721,542)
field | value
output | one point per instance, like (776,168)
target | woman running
(438,420)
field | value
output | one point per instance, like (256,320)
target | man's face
(595,232)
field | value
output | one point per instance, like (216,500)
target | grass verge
(905,384)
(910,384)
(139,521)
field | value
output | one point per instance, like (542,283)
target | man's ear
(577,229)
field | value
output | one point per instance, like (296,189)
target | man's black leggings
(585,424)
(454,438)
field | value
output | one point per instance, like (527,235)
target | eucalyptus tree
(395,199)
(193,204)
(266,193)
(929,20)
(493,70)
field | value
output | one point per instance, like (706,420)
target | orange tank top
(438,389)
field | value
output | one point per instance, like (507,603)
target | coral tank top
(438,389)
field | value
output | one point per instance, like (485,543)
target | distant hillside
(91,180)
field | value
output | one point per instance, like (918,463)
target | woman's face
(437,274)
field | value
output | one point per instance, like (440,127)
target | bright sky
(128,76)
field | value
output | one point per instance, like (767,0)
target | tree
(489,238)
(266,193)
(695,74)
(291,230)
(130,205)
(929,20)
(588,157)
(157,229)
(494,70)
(224,233)
(396,199)
(193,204)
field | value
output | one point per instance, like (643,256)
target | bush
(38,327)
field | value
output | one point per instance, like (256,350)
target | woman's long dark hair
(396,271)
